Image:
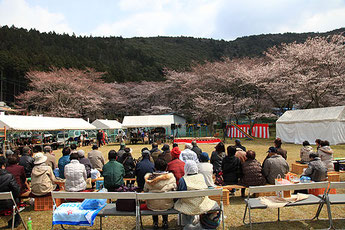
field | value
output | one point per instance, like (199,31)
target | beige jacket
(160,182)
(96,159)
(42,180)
(197,205)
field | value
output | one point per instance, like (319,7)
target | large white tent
(152,121)
(107,124)
(328,123)
(39,123)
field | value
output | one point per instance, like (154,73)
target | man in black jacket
(196,149)
(27,161)
(8,184)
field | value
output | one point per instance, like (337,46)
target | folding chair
(15,210)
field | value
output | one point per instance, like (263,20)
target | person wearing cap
(96,158)
(274,165)
(8,184)
(51,161)
(85,161)
(188,154)
(27,161)
(129,165)
(143,167)
(176,166)
(239,145)
(42,177)
(121,150)
(113,172)
(196,149)
(75,175)
(63,161)
(166,155)
(206,169)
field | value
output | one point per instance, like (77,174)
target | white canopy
(328,123)
(39,123)
(148,121)
(107,124)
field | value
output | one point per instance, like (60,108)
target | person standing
(113,172)
(100,138)
(96,158)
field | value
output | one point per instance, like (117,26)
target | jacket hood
(155,178)
(39,170)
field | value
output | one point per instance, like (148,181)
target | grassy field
(233,212)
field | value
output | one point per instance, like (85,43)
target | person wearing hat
(274,165)
(239,145)
(8,184)
(27,161)
(96,158)
(166,155)
(51,161)
(176,166)
(42,176)
(85,161)
(206,169)
(143,167)
(75,175)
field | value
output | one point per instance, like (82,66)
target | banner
(258,130)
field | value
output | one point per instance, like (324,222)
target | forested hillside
(123,60)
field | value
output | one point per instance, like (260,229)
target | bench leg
(245,213)
(318,211)
(100,222)
(331,225)
(250,219)
(278,214)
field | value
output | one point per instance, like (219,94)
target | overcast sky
(218,19)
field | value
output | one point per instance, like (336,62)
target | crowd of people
(158,170)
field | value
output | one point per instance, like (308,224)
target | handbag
(125,205)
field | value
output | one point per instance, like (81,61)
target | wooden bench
(108,210)
(176,195)
(331,199)
(254,203)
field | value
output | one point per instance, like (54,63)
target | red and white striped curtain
(259,131)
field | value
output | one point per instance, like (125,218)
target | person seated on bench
(231,167)
(274,165)
(326,154)
(129,165)
(113,172)
(176,166)
(143,167)
(42,177)
(8,184)
(305,151)
(206,169)
(251,172)
(75,174)
(85,161)
(316,170)
(192,180)
(19,174)
(160,181)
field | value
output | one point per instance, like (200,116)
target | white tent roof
(148,121)
(336,113)
(107,124)
(15,122)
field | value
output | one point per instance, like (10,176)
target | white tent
(107,124)
(328,123)
(152,121)
(39,123)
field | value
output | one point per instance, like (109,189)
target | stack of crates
(44,203)
(226,197)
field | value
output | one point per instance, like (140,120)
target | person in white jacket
(188,154)
(75,174)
